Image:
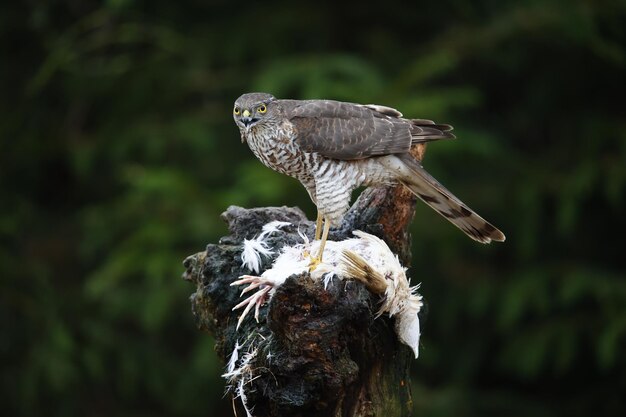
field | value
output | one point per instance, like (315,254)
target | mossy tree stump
(321,352)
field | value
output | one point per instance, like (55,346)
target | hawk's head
(253,109)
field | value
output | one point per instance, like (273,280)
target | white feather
(253,249)
(304,237)
(242,375)
(241,393)
(328,278)
(271,228)
(234,356)
(251,254)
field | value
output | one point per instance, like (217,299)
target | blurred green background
(118,153)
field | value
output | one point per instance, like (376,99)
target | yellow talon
(315,261)
(321,233)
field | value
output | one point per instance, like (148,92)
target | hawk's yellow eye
(236,111)
(262,108)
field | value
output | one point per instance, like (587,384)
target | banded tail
(423,130)
(430,191)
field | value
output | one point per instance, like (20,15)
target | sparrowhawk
(333,147)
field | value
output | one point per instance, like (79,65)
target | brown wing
(348,131)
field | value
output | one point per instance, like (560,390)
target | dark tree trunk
(319,352)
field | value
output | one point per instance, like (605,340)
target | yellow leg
(324,237)
(318,225)
(315,261)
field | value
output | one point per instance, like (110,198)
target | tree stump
(315,351)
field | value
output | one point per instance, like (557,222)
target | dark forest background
(118,154)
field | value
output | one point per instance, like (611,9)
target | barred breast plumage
(333,147)
(329,182)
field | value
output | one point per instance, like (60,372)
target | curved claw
(251,287)
(255,300)
(246,279)
(260,300)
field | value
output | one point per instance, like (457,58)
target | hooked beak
(243,122)
(247,120)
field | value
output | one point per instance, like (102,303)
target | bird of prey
(333,147)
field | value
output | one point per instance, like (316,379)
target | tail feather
(426,130)
(429,190)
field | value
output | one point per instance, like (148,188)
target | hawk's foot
(315,262)
(257,299)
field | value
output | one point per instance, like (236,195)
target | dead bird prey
(364,258)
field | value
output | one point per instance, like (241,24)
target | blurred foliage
(118,153)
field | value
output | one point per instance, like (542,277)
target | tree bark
(317,351)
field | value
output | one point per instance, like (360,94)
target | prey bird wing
(350,131)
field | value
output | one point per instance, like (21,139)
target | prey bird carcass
(364,258)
